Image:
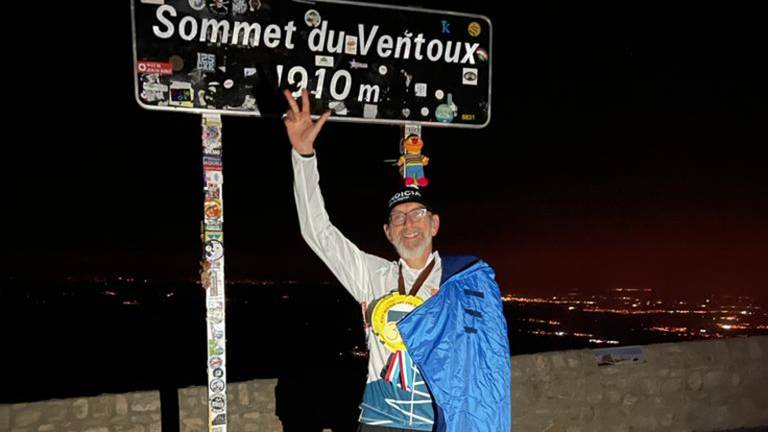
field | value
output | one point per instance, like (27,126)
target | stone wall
(250,407)
(134,412)
(692,386)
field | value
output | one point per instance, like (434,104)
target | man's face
(413,237)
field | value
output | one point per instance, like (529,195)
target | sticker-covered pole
(212,277)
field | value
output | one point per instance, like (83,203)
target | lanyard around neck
(418,282)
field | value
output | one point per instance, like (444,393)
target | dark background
(625,150)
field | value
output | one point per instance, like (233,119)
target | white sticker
(228,84)
(154,92)
(406,112)
(214,177)
(249,71)
(249,104)
(383,70)
(439,94)
(155,87)
(469,76)
(370,111)
(424,111)
(181,94)
(408,78)
(154,2)
(239,6)
(324,61)
(350,45)
(213,250)
(354,64)
(481,55)
(206,62)
(312,18)
(338,107)
(420,89)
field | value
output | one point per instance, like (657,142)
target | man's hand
(302,131)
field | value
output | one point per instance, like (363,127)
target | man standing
(437,338)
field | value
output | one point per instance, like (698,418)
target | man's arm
(347,262)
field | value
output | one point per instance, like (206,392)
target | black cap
(406,195)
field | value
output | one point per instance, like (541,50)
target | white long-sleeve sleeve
(359,272)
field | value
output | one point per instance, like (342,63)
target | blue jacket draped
(458,338)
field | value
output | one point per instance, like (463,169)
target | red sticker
(148,67)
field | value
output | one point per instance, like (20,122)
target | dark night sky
(625,150)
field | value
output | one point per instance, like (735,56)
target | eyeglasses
(397,218)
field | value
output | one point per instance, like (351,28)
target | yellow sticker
(474,29)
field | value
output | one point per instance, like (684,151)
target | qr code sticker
(206,62)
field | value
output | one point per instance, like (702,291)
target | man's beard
(415,251)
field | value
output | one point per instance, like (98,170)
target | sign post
(366,63)
(212,277)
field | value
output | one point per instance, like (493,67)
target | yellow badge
(387,311)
